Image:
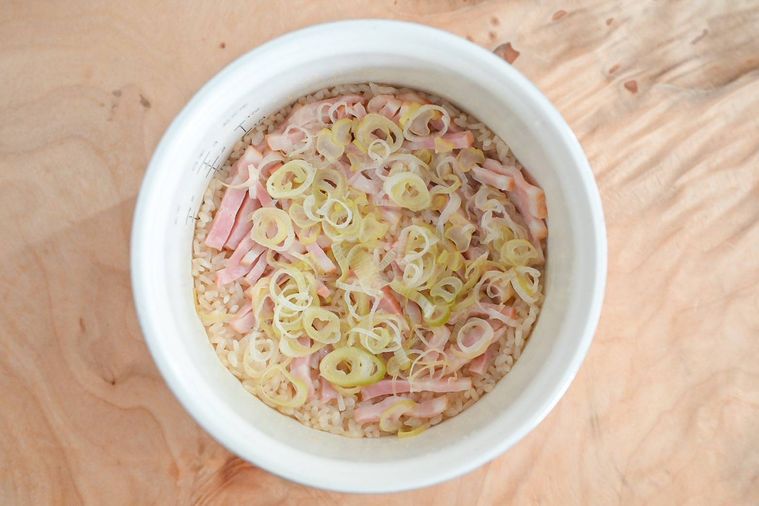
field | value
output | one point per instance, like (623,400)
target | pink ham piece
(437,342)
(323,241)
(390,302)
(225,216)
(413,312)
(474,252)
(317,356)
(321,258)
(364,184)
(293,255)
(243,320)
(529,199)
(251,256)
(285,141)
(366,412)
(235,269)
(300,369)
(229,274)
(392,215)
(263,196)
(242,224)
(246,245)
(480,364)
(386,105)
(345,167)
(492,178)
(323,290)
(430,408)
(327,392)
(297,248)
(393,387)
(257,270)
(358,110)
(459,140)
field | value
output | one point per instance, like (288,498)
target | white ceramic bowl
(260,83)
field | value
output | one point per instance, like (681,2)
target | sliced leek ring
(363,367)
(272,228)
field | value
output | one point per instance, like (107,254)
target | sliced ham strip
(413,312)
(242,225)
(367,412)
(235,268)
(393,387)
(532,198)
(285,141)
(317,356)
(387,105)
(225,216)
(460,140)
(529,199)
(323,241)
(390,301)
(437,342)
(538,231)
(364,184)
(391,216)
(327,392)
(321,258)
(251,256)
(244,324)
(358,110)
(297,248)
(263,196)
(480,364)
(244,320)
(241,250)
(323,290)
(495,166)
(257,270)
(492,178)
(429,408)
(229,274)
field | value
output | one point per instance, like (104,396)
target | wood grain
(664,96)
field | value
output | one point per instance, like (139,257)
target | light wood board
(664,97)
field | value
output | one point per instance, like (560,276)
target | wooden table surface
(664,97)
